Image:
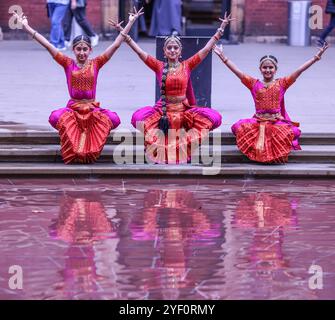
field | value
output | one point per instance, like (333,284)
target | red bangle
(216,37)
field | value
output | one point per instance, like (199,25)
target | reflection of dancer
(77,9)
(176,110)
(178,235)
(166,18)
(270,135)
(82,222)
(83,126)
(269,215)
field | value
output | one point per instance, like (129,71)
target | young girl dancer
(175,124)
(82,125)
(270,135)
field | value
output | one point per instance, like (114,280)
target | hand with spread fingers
(22,19)
(116,25)
(226,20)
(123,35)
(136,14)
(218,49)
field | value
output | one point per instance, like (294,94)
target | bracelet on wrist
(317,57)
(221,31)
(128,38)
(216,37)
(34,35)
(224,59)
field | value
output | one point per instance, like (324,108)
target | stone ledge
(238,170)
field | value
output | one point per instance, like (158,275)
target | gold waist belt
(269,116)
(175,107)
(84,105)
(172,99)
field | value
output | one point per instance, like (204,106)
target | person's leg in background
(328,30)
(57,13)
(51,9)
(141,20)
(67,26)
(80,16)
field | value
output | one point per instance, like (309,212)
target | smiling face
(172,50)
(82,52)
(268,70)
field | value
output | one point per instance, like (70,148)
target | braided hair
(164,120)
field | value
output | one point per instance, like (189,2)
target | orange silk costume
(270,135)
(188,122)
(83,126)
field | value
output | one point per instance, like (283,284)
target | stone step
(227,138)
(126,153)
(102,170)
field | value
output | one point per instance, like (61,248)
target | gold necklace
(81,65)
(173,67)
(266,84)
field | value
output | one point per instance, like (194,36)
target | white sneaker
(95,40)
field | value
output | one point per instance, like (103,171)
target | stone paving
(32,85)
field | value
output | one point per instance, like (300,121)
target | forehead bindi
(173,44)
(268,64)
(82,46)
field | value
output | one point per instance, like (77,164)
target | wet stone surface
(167,238)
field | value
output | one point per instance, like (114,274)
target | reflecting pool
(167,239)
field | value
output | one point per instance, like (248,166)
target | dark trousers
(139,24)
(329,28)
(80,15)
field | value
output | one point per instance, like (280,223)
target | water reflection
(268,215)
(167,240)
(182,243)
(161,255)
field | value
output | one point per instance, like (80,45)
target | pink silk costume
(270,135)
(182,115)
(83,126)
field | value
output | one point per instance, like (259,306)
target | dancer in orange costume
(175,125)
(270,135)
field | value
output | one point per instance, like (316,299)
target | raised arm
(213,40)
(119,39)
(37,36)
(310,62)
(219,51)
(124,36)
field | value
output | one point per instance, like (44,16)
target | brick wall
(270,17)
(262,17)
(37,14)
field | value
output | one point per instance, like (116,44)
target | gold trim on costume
(261,138)
(82,141)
